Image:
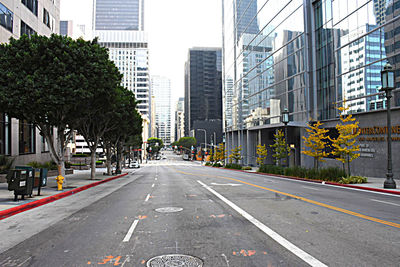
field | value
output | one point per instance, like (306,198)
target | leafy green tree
(280,148)
(49,80)
(154,145)
(187,142)
(262,154)
(125,128)
(316,142)
(236,154)
(344,147)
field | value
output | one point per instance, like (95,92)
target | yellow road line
(302,198)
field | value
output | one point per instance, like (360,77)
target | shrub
(273,169)
(80,155)
(50,165)
(5,163)
(353,180)
(246,168)
(67,165)
(99,162)
(233,166)
(333,174)
(208,164)
(217,164)
(78,164)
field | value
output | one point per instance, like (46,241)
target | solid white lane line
(152,185)
(130,232)
(390,203)
(147,198)
(282,241)
(312,188)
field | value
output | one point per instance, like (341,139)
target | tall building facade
(119,15)
(161,90)
(308,57)
(179,119)
(20,139)
(119,25)
(203,93)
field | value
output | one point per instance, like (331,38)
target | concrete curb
(318,181)
(40,202)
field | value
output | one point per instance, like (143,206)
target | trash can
(21,182)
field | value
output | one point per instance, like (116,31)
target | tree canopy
(49,81)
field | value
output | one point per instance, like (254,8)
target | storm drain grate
(174,260)
(169,209)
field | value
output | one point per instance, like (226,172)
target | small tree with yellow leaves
(262,154)
(344,147)
(220,155)
(280,147)
(316,142)
(236,155)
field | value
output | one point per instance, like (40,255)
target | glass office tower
(119,15)
(309,57)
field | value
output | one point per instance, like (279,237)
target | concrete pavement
(79,179)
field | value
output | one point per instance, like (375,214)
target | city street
(222,217)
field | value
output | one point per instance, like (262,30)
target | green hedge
(233,166)
(217,164)
(80,155)
(333,174)
(246,168)
(50,165)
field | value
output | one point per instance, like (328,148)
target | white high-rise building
(127,43)
(161,90)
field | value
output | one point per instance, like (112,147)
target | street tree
(262,153)
(221,153)
(280,148)
(125,127)
(316,142)
(154,145)
(344,146)
(47,81)
(236,155)
(187,142)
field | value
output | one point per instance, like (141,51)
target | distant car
(134,164)
(185,157)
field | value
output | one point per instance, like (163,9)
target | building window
(6,18)
(25,29)
(48,19)
(32,5)
(5,134)
(27,137)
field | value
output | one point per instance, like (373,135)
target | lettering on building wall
(378,130)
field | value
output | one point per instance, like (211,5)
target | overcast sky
(173,27)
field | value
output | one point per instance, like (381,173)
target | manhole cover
(169,209)
(174,260)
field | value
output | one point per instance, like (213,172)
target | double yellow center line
(303,199)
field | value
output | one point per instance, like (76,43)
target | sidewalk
(78,179)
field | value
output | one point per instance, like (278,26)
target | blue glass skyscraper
(118,15)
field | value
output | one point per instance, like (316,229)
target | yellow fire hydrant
(60,181)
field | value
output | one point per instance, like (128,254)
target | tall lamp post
(285,121)
(387,75)
(205,139)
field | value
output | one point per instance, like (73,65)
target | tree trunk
(93,164)
(118,169)
(348,166)
(108,157)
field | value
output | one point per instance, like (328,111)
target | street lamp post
(205,139)
(285,120)
(387,75)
